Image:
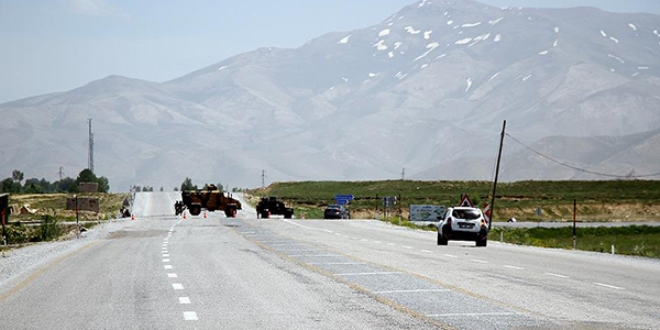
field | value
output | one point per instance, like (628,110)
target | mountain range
(422,94)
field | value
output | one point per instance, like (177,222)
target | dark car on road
(335,211)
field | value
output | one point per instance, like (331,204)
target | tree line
(15,185)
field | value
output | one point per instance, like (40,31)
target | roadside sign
(389,201)
(486,212)
(538,211)
(343,199)
(430,213)
(466,202)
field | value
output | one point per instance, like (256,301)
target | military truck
(210,199)
(271,206)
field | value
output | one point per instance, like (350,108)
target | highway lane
(566,288)
(163,272)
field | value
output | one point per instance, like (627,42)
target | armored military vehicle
(210,199)
(271,206)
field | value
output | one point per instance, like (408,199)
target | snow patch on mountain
(380,45)
(469,25)
(493,22)
(616,58)
(430,48)
(412,30)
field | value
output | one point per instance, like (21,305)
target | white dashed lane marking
(177,286)
(184,300)
(513,267)
(166,260)
(557,275)
(172,275)
(479,261)
(168,267)
(190,316)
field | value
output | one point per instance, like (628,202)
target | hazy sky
(57,45)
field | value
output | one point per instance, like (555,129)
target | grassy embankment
(596,201)
(46,223)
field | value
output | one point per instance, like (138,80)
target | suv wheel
(442,240)
(482,241)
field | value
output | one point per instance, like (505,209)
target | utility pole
(90,158)
(263,179)
(497,173)
(403,174)
(61,173)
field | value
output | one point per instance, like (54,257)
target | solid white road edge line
(411,291)
(469,314)
(373,273)
(608,286)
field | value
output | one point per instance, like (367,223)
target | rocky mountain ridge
(426,90)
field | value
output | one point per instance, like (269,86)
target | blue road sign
(347,197)
(342,201)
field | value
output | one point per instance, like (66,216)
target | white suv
(463,224)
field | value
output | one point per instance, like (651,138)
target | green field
(643,241)
(622,200)
(632,200)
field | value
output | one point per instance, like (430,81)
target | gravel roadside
(18,263)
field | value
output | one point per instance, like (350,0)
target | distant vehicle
(463,224)
(271,206)
(335,211)
(211,199)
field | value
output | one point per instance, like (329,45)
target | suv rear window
(466,214)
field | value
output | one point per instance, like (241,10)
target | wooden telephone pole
(497,173)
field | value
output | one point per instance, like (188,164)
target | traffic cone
(132,217)
(205,214)
(184,215)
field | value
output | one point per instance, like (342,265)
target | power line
(578,168)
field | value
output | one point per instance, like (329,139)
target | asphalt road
(210,272)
